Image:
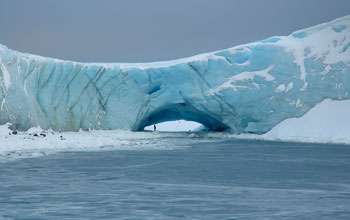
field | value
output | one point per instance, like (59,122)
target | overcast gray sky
(152,30)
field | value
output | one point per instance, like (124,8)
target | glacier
(245,89)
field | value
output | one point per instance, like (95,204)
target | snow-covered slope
(245,89)
(327,122)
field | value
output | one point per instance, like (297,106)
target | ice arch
(247,88)
(178,112)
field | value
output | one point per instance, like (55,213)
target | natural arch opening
(177,126)
(181,111)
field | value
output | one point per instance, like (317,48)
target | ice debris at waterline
(244,89)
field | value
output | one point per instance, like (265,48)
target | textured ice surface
(246,89)
(245,180)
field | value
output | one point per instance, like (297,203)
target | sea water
(230,179)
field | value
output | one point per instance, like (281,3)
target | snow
(326,70)
(289,87)
(280,88)
(328,121)
(6,75)
(244,76)
(26,144)
(3,103)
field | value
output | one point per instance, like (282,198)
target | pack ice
(245,89)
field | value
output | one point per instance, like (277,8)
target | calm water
(215,180)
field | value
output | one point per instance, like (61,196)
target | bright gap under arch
(177,126)
(179,112)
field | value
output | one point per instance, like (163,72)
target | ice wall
(244,89)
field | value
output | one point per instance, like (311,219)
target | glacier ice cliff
(245,89)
